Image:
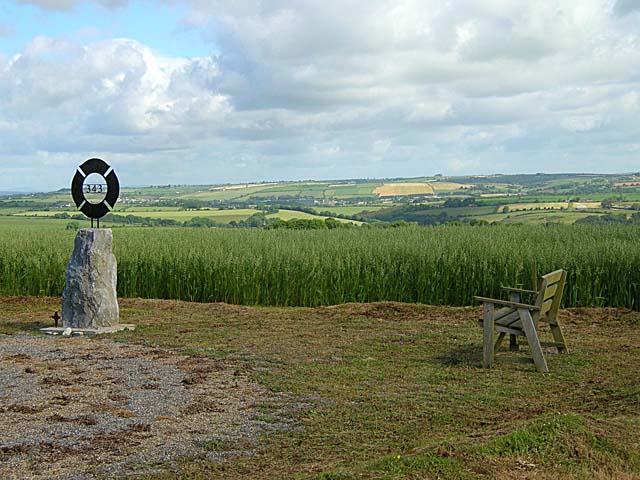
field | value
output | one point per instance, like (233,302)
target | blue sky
(160,28)
(211,91)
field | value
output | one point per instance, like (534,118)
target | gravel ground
(74,408)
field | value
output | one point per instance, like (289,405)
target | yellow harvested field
(399,189)
(449,186)
(586,204)
(626,184)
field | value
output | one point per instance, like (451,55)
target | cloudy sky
(206,91)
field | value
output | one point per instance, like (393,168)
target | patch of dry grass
(398,391)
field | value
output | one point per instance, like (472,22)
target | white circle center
(94,188)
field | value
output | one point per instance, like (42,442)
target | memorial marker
(89,300)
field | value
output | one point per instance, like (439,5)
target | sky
(208,91)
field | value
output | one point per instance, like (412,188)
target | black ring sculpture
(95,210)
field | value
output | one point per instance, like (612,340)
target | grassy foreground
(396,390)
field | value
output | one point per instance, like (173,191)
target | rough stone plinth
(89,298)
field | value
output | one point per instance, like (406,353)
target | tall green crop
(441,265)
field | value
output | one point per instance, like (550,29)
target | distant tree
(276,224)
(606,203)
(72,226)
(193,204)
(255,220)
(270,209)
(200,222)
(474,222)
(609,201)
(402,223)
(331,223)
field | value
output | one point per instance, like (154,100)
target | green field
(319,190)
(537,217)
(291,214)
(460,211)
(444,265)
(343,210)
(42,223)
(220,216)
(173,213)
(168,213)
(32,223)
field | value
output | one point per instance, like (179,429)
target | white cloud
(380,148)
(63,5)
(582,123)
(312,89)
(117,87)
(116,99)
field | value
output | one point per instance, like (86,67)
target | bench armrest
(521,290)
(506,303)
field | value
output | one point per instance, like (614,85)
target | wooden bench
(518,319)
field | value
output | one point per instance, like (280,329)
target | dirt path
(80,408)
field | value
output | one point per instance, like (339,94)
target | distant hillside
(537,198)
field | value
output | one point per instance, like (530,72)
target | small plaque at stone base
(87,331)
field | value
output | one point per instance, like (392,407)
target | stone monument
(89,300)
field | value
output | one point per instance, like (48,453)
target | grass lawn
(396,390)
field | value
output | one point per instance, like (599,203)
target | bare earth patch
(79,408)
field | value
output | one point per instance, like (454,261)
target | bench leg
(487,339)
(496,346)
(534,341)
(558,337)
(513,343)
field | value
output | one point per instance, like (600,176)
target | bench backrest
(550,294)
